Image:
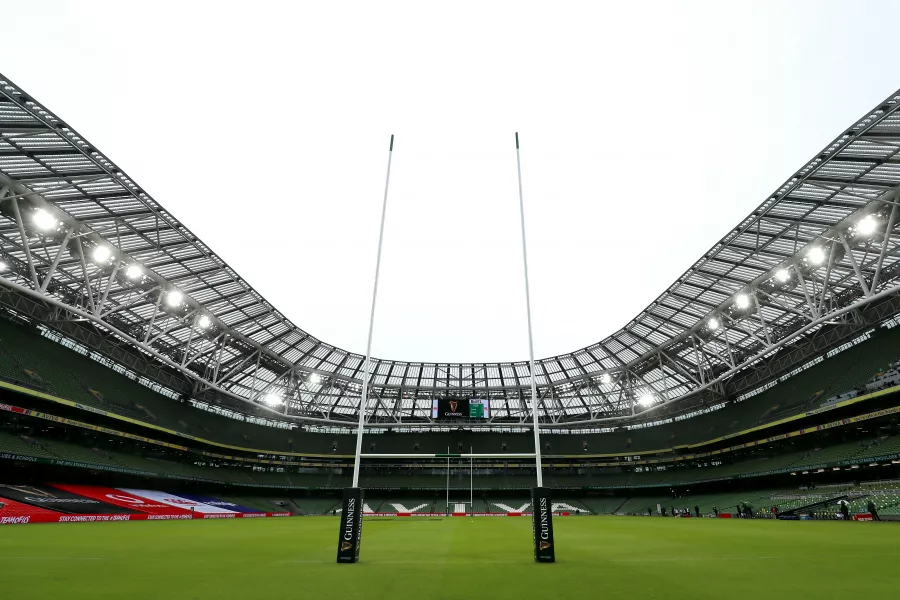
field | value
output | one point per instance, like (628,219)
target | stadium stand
(604,506)
(42,364)
(73,376)
(638,505)
(267,468)
(16,444)
(79,449)
(315,506)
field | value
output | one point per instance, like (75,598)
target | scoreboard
(452,409)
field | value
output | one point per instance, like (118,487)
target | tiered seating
(891,507)
(270,478)
(50,364)
(727,501)
(504,505)
(78,453)
(605,505)
(638,505)
(570,505)
(22,445)
(261,504)
(413,505)
(71,375)
(590,478)
(481,506)
(9,367)
(47,448)
(133,461)
(881,447)
(832,454)
(316,506)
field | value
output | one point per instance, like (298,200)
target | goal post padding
(542,522)
(351,526)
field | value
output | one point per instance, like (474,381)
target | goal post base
(351,526)
(542,524)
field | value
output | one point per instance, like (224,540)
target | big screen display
(467,408)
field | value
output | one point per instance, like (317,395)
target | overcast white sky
(648,131)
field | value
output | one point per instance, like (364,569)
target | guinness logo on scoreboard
(460,408)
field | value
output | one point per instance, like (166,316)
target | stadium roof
(84,249)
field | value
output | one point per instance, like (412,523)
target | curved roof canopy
(86,250)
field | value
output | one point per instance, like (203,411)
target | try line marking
(460,562)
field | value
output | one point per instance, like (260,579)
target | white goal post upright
(448,478)
(352,511)
(541,508)
(364,395)
(534,401)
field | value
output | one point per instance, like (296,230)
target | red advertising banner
(51,517)
(60,501)
(120,498)
(17,513)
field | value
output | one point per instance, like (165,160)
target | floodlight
(606,378)
(646,400)
(3,267)
(782,275)
(101,254)
(204,321)
(713,323)
(315,378)
(816,256)
(272,399)
(133,272)
(174,298)
(44,220)
(742,300)
(866,225)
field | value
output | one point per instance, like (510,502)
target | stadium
(740,433)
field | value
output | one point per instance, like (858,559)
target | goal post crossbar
(453,455)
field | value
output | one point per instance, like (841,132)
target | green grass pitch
(452,558)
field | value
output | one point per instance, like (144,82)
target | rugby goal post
(350,534)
